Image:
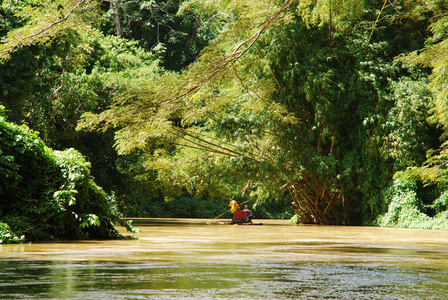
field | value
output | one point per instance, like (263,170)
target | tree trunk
(316,204)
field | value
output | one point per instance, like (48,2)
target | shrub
(406,208)
(46,194)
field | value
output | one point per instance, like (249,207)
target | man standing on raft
(233,205)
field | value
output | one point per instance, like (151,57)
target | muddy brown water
(188,259)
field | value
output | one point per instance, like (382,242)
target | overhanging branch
(41,31)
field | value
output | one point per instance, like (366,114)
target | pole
(230,209)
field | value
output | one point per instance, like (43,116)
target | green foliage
(433,56)
(176,31)
(8,21)
(406,208)
(36,93)
(46,20)
(7,236)
(156,109)
(298,97)
(90,220)
(272,209)
(337,12)
(334,119)
(406,125)
(47,194)
(338,98)
(441,203)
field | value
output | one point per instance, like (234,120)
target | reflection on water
(124,280)
(188,259)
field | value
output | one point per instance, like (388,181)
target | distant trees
(174,30)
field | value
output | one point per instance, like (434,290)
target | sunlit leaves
(406,208)
(90,220)
(145,112)
(434,55)
(45,20)
(337,12)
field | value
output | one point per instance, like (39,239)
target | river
(190,259)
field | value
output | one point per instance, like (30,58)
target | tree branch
(204,141)
(231,58)
(46,28)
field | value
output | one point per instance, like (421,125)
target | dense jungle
(323,111)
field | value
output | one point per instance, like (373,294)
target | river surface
(190,259)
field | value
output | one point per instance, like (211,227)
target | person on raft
(250,215)
(233,205)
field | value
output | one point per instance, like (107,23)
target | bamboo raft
(240,217)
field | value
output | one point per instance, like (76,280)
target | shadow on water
(186,259)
